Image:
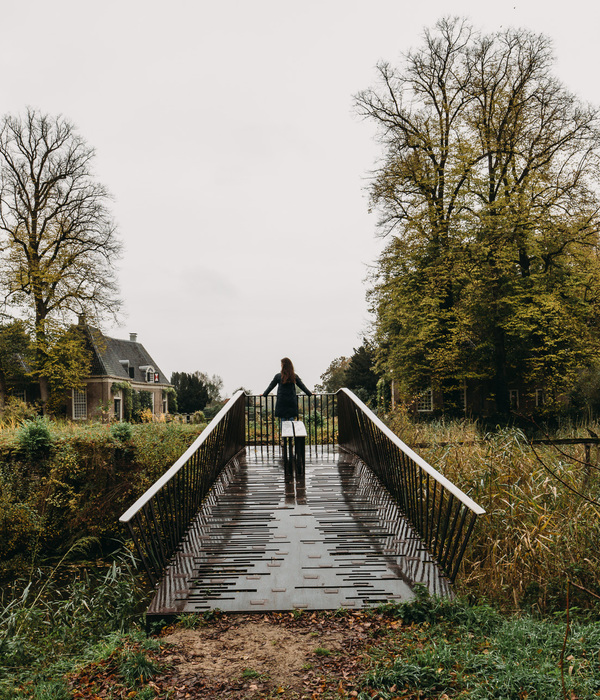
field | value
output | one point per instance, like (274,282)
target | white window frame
(425,401)
(80,404)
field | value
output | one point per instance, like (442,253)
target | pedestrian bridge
(235,526)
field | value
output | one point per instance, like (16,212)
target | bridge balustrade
(440,512)
(318,412)
(160,518)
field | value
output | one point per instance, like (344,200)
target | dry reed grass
(537,532)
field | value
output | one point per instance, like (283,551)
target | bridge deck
(268,540)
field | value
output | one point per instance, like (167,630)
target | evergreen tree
(192,391)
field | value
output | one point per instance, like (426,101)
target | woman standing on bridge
(286,406)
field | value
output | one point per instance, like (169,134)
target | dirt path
(247,657)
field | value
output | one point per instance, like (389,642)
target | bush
(35,439)
(122,432)
(198,417)
(19,530)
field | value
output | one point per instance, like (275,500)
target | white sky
(225,132)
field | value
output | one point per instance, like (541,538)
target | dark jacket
(286,405)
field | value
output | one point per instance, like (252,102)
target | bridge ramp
(268,539)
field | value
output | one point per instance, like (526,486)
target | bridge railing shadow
(440,512)
(159,519)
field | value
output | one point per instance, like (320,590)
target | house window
(131,372)
(539,397)
(20,395)
(117,409)
(513,398)
(79,404)
(425,401)
(165,405)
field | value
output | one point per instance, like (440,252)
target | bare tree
(59,240)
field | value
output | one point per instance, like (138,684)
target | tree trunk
(500,374)
(2,391)
(40,357)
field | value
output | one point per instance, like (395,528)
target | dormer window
(148,370)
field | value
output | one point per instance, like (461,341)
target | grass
(250,673)
(55,623)
(322,651)
(424,648)
(460,650)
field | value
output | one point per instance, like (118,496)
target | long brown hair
(288,376)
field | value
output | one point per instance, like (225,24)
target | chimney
(133,337)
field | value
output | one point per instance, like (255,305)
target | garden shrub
(121,432)
(19,529)
(16,411)
(198,417)
(35,439)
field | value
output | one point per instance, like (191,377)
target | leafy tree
(356,373)
(361,376)
(487,191)
(334,377)
(66,364)
(59,244)
(14,346)
(213,384)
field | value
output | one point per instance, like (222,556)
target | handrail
(319,413)
(160,517)
(440,512)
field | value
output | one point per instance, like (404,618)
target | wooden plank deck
(267,539)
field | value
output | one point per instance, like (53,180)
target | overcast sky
(225,132)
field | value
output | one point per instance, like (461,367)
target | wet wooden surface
(269,539)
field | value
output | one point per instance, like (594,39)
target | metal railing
(159,519)
(439,511)
(318,412)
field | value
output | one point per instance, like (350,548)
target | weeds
(322,651)
(47,629)
(136,668)
(251,673)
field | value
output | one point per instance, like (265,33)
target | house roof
(114,357)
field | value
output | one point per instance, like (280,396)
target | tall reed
(542,521)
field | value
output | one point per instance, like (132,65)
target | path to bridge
(267,540)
